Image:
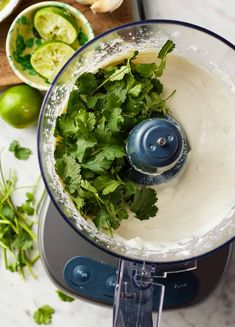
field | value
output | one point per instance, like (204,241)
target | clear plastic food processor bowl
(195,44)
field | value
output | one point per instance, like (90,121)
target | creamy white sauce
(202,196)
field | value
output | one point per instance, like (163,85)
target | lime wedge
(54,23)
(50,57)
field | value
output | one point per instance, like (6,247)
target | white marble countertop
(20,298)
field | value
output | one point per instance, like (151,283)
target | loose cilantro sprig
(64,297)
(17,238)
(90,153)
(43,315)
(20,152)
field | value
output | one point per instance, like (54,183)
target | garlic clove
(86,2)
(100,6)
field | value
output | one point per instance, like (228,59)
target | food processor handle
(135,296)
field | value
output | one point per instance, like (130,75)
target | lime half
(50,57)
(53,23)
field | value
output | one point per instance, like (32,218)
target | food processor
(86,262)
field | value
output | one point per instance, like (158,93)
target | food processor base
(84,271)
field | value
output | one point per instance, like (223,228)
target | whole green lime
(20,106)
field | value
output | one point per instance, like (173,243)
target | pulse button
(81,274)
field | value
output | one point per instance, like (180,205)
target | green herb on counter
(64,297)
(43,316)
(90,153)
(17,239)
(20,152)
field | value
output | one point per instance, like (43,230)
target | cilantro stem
(2,176)
(22,273)
(7,222)
(111,77)
(4,246)
(35,259)
(28,230)
(31,270)
(110,228)
(40,201)
(172,93)
(29,265)
(5,258)
(120,180)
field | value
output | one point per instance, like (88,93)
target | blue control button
(111,283)
(81,274)
(89,278)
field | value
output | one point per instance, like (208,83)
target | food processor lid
(88,56)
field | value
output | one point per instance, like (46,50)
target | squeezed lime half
(50,57)
(56,24)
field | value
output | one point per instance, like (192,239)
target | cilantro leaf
(88,118)
(87,186)
(65,125)
(116,213)
(79,202)
(43,316)
(102,218)
(95,100)
(7,212)
(86,83)
(135,90)
(69,170)
(119,73)
(106,184)
(82,145)
(116,119)
(146,70)
(157,86)
(98,165)
(144,203)
(22,241)
(130,188)
(155,103)
(115,98)
(102,133)
(113,151)
(102,161)
(166,48)
(27,206)
(64,297)
(20,153)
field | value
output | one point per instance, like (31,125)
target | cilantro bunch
(90,156)
(17,239)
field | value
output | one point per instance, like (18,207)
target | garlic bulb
(100,6)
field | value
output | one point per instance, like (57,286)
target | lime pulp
(54,23)
(50,57)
